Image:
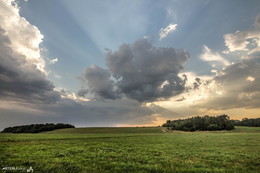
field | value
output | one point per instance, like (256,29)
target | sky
(128,63)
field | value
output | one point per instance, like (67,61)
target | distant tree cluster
(221,122)
(247,122)
(36,128)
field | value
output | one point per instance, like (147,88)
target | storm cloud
(139,71)
(22,74)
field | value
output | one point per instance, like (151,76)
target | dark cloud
(141,71)
(21,80)
(99,83)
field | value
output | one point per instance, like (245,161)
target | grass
(133,150)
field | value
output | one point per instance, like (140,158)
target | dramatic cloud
(21,76)
(141,72)
(165,31)
(213,57)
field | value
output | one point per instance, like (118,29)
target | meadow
(133,149)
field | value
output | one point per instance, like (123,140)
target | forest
(36,128)
(205,123)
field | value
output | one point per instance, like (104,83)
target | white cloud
(25,38)
(210,56)
(53,61)
(247,41)
(241,40)
(165,31)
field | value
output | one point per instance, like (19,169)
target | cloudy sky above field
(128,63)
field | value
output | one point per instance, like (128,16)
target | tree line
(36,128)
(205,123)
(253,122)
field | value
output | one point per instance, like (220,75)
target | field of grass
(133,150)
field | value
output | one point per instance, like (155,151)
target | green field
(143,149)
